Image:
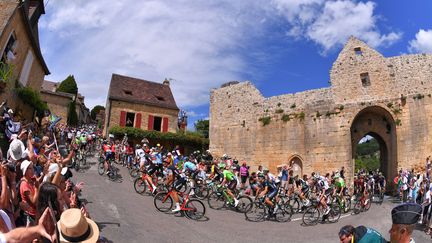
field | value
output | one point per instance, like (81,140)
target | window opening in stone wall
(365,79)
(358,51)
(9,53)
(157,125)
(160,98)
(130,118)
(128,92)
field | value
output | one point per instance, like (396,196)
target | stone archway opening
(377,123)
(296,166)
(370,154)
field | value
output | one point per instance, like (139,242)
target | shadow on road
(102,225)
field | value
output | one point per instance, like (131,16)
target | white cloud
(422,42)
(199,44)
(331,23)
(195,44)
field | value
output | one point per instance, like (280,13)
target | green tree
(68,85)
(368,155)
(96,110)
(202,126)
(72,118)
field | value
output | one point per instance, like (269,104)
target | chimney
(166,82)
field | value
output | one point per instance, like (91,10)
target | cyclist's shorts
(178,184)
(328,191)
(82,146)
(271,195)
(151,169)
(305,190)
(109,155)
(232,184)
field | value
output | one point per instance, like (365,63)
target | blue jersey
(189,166)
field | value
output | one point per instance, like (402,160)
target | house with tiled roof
(141,104)
(20,51)
(58,102)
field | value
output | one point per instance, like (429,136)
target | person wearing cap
(404,218)
(360,234)
(29,191)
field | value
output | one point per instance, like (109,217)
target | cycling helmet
(111,135)
(221,166)
(137,146)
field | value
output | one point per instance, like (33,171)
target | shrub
(265,120)
(279,111)
(33,99)
(187,138)
(301,116)
(285,117)
(293,106)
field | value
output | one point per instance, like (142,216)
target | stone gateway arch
(389,99)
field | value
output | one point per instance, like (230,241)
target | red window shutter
(165,124)
(122,118)
(138,120)
(150,122)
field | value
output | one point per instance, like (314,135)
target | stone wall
(317,125)
(57,104)
(37,73)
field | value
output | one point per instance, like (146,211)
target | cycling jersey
(189,166)
(228,175)
(340,183)
(83,139)
(271,187)
(172,170)
(363,234)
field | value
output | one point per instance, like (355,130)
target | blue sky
(282,46)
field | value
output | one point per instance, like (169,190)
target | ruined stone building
(388,98)
(141,104)
(20,55)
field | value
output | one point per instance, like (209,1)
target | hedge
(181,138)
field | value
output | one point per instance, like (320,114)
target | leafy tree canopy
(96,110)
(68,85)
(202,126)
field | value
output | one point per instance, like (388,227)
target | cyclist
(177,181)
(229,177)
(155,165)
(381,181)
(269,190)
(191,169)
(83,143)
(108,152)
(302,189)
(324,191)
(215,172)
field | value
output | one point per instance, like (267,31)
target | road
(125,216)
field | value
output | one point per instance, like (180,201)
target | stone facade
(116,107)
(16,22)
(387,98)
(57,103)
(141,104)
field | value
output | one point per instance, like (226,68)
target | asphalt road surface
(125,216)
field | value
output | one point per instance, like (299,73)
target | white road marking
(342,216)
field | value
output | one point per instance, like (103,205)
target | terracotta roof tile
(141,91)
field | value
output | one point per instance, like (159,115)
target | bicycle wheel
(311,216)
(357,207)
(334,214)
(134,173)
(283,213)
(163,202)
(201,192)
(216,201)
(244,201)
(101,168)
(295,205)
(77,165)
(140,186)
(367,205)
(347,204)
(194,209)
(255,212)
